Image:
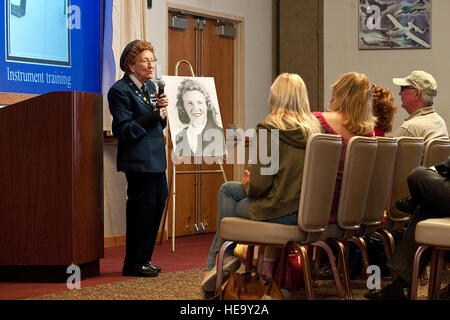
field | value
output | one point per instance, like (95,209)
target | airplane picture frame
(394,24)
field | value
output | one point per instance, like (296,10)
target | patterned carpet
(185,285)
(179,285)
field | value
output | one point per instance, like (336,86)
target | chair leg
(432,280)
(249,258)
(346,255)
(361,243)
(306,270)
(364,254)
(314,255)
(390,239)
(345,271)
(219,266)
(423,279)
(385,242)
(415,276)
(281,276)
(259,265)
(438,274)
(387,239)
(340,290)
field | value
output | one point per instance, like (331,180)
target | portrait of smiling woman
(200,119)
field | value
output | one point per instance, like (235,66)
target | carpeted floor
(111,267)
(185,285)
(179,285)
(180,279)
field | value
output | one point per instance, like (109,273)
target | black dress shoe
(406,205)
(152,266)
(392,291)
(138,270)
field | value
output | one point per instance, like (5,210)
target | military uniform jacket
(139,149)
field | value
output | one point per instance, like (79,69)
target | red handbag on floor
(294,271)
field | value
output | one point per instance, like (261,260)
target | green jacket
(273,196)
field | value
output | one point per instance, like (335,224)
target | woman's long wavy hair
(383,107)
(289,105)
(351,96)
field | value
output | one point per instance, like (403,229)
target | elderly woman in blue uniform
(139,117)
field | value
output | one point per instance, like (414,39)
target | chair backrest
(319,177)
(436,151)
(409,156)
(359,161)
(380,181)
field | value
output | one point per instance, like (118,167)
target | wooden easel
(172,183)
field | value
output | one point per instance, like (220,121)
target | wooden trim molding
(114,241)
(120,239)
(108,138)
(204,12)
(239,89)
(7,98)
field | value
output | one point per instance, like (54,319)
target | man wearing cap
(417,92)
(139,117)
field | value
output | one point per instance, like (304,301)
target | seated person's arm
(259,183)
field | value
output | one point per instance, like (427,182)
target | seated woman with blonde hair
(383,108)
(349,115)
(271,198)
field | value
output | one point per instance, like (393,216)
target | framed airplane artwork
(394,24)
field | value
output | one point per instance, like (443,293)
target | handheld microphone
(161,85)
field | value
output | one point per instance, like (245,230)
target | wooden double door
(210,55)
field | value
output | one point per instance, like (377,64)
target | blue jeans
(232,201)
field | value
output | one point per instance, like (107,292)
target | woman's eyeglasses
(147,61)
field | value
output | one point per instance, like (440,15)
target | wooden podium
(51,187)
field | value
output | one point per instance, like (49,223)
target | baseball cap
(420,80)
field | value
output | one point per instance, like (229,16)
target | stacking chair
(433,234)
(318,180)
(380,182)
(436,151)
(359,162)
(409,156)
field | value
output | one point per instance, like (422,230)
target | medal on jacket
(153,100)
(139,93)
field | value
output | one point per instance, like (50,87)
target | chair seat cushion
(246,230)
(434,232)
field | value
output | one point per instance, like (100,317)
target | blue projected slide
(50,45)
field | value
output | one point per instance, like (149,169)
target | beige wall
(115,187)
(342,55)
